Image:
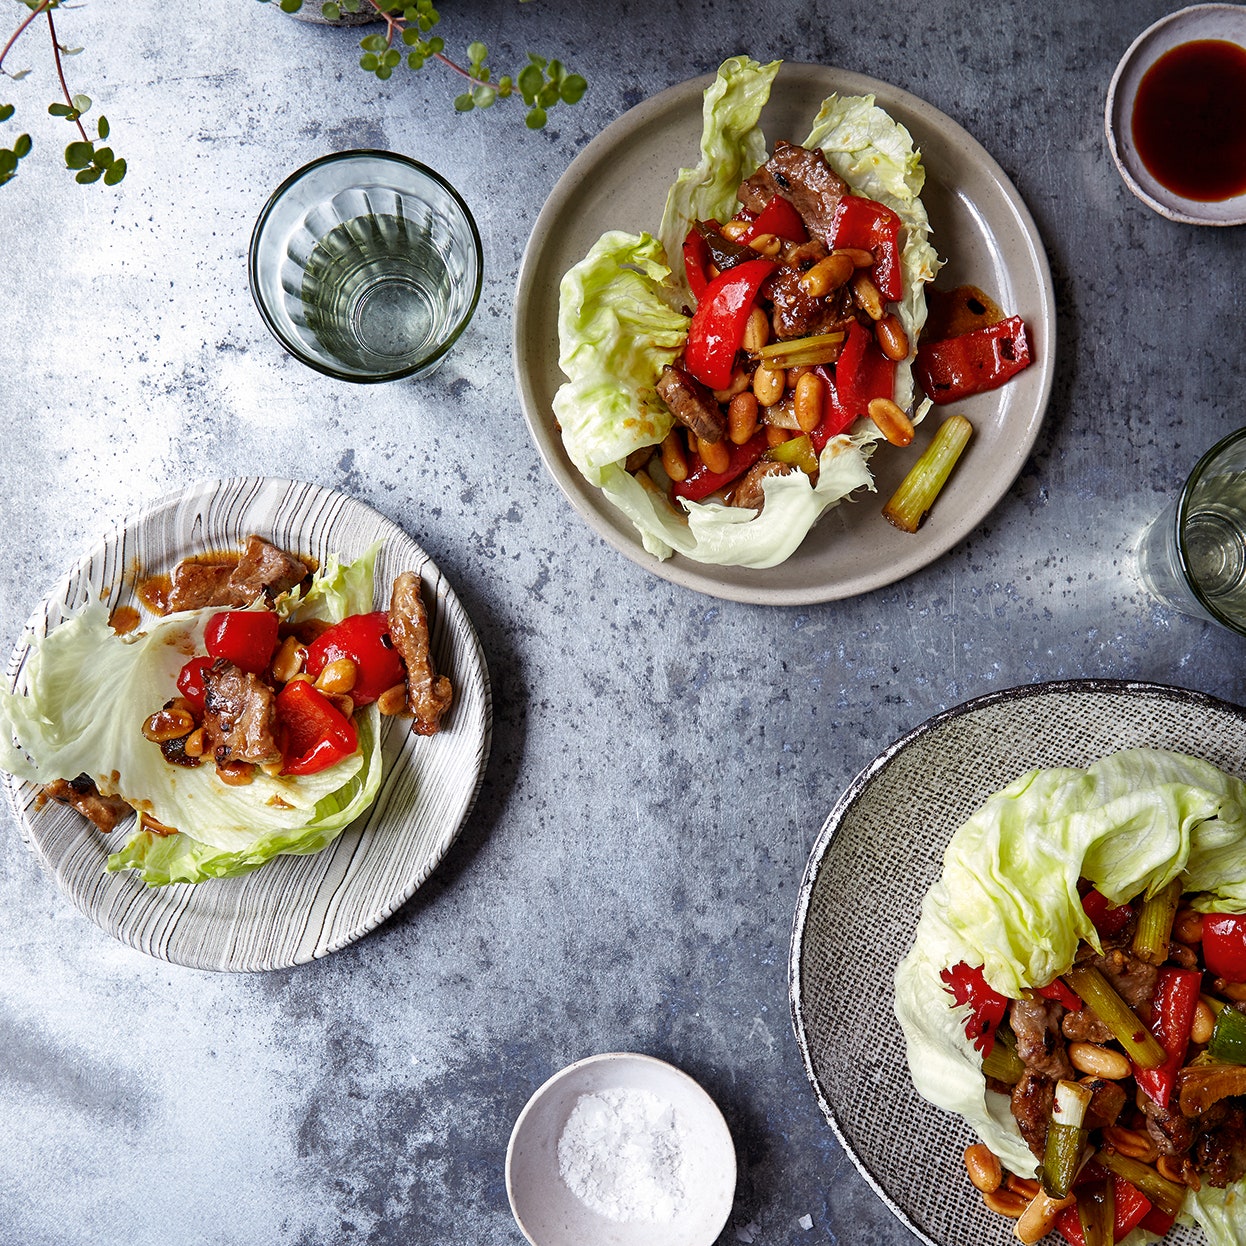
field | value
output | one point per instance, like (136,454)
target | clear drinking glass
(1193,556)
(366,265)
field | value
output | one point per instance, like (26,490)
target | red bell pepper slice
(1056,990)
(1130,1206)
(696,263)
(1157,1222)
(987,1006)
(190,680)
(778,217)
(1224,945)
(317,734)
(246,638)
(1106,917)
(958,367)
(862,373)
(701,482)
(1172,1016)
(364,639)
(871,226)
(717,327)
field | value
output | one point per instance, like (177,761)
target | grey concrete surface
(662,761)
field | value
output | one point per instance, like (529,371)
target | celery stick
(1164,1194)
(1096,1210)
(799,351)
(918,490)
(1155,924)
(1228,1039)
(1140,1045)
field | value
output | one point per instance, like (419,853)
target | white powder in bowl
(621,1153)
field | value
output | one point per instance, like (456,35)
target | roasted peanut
(1039,1217)
(809,401)
(674,460)
(288,660)
(866,296)
(235,773)
(768,245)
(1027,1187)
(1006,1203)
(716,455)
(742,417)
(983,1167)
(735,230)
(756,331)
(169,723)
(740,380)
(1098,1061)
(338,676)
(1133,1143)
(345,704)
(892,421)
(776,436)
(769,385)
(1179,1170)
(827,275)
(892,339)
(1187,926)
(860,257)
(1236,991)
(195,743)
(393,700)
(1203,1024)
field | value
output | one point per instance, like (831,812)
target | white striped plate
(295,908)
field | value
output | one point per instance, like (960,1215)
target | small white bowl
(550,1214)
(1200,21)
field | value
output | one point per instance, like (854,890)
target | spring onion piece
(1002,1061)
(1096,1210)
(796,451)
(918,490)
(1228,1039)
(802,351)
(1065,1138)
(1164,1194)
(1155,924)
(1140,1045)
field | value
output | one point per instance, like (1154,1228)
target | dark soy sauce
(1189,120)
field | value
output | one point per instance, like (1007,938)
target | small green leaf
(535,120)
(82,103)
(374,43)
(435,45)
(103,126)
(8,163)
(103,158)
(415,61)
(369,62)
(115,173)
(410,37)
(6,111)
(89,175)
(330,12)
(530,82)
(351,6)
(22,146)
(78,155)
(383,72)
(59,110)
(464,103)
(291,6)
(572,89)
(484,97)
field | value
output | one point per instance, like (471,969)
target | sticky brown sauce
(124,620)
(1189,120)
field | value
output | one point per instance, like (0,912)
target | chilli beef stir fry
(1127,1075)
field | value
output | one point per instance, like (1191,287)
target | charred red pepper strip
(701,482)
(862,373)
(1157,1222)
(717,327)
(1224,945)
(364,639)
(1172,1016)
(987,1006)
(1062,994)
(1130,1207)
(1106,917)
(317,734)
(246,638)
(696,263)
(190,680)
(780,218)
(958,367)
(871,226)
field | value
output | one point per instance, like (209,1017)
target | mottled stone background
(662,761)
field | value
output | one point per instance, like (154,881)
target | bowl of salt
(621,1150)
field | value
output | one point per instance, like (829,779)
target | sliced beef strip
(1036,1023)
(428,694)
(1171,1132)
(263,568)
(1084,1026)
(1220,1153)
(1107,1102)
(197,585)
(805,180)
(239,716)
(748,492)
(797,314)
(1133,979)
(693,405)
(103,812)
(1032,1098)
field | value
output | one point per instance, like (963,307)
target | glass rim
(294,347)
(1179,517)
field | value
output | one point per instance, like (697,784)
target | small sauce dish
(576,1108)
(1168,115)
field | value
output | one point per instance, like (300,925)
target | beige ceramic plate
(880,850)
(293,908)
(1201,21)
(981,228)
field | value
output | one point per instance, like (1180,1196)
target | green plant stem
(60,73)
(17,34)
(396,25)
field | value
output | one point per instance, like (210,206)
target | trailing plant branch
(89,160)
